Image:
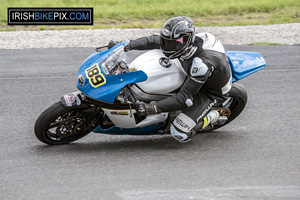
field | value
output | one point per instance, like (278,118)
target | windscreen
(116,63)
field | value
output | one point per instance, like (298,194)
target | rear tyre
(61,125)
(239,97)
(236,103)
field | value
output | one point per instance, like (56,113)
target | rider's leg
(187,123)
(188,128)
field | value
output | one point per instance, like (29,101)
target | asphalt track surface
(256,157)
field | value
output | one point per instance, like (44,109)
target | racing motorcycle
(110,82)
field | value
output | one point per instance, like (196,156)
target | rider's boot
(210,118)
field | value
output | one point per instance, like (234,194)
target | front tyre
(61,125)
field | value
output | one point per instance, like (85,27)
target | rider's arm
(144,43)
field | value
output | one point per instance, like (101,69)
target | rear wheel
(235,104)
(61,125)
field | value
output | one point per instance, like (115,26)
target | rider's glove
(127,47)
(112,43)
(144,109)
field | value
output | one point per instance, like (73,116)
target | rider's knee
(182,128)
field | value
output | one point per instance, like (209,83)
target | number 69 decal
(94,75)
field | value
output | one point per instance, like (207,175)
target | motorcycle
(109,83)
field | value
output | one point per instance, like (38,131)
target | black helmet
(177,36)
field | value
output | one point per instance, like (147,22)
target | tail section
(244,63)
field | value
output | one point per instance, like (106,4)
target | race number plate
(94,75)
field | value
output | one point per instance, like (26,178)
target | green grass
(153,13)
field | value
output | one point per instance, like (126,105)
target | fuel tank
(161,80)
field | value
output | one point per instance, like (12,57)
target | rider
(208,79)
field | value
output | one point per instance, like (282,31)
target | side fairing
(114,84)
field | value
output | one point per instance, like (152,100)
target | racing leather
(145,43)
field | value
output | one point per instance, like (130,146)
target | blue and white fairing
(97,84)
(95,81)
(100,79)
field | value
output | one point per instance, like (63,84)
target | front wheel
(61,125)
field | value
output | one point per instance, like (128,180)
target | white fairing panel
(210,42)
(124,118)
(160,80)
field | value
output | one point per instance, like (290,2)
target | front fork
(93,117)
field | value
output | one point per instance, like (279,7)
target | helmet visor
(174,44)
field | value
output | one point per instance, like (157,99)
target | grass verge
(153,13)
